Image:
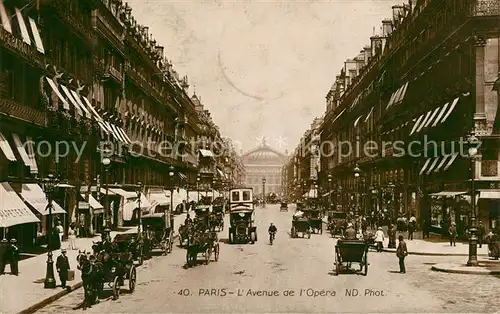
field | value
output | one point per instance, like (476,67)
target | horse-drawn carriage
(300,225)
(348,252)
(132,242)
(158,232)
(217,217)
(283,207)
(315,220)
(337,223)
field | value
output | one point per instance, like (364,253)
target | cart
(158,232)
(315,221)
(205,243)
(348,252)
(284,207)
(302,226)
(115,269)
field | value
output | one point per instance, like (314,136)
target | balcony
(486,8)
(114,74)
(22,112)
(19,47)
(61,8)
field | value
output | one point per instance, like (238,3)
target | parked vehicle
(348,252)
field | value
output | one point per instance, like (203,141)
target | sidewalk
(25,293)
(432,247)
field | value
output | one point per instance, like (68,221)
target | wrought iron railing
(23,112)
(486,8)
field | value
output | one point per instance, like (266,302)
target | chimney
(386,28)
(160,50)
(376,44)
(368,53)
(397,14)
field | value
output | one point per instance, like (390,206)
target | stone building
(83,77)
(263,162)
(432,74)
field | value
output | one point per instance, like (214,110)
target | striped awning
(6,149)
(206,153)
(437,164)
(58,93)
(33,194)
(398,95)
(434,117)
(13,211)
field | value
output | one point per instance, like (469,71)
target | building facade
(81,82)
(261,163)
(431,77)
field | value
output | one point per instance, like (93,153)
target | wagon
(115,269)
(348,252)
(284,207)
(302,226)
(134,243)
(158,232)
(205,243)
(337,223)
(315,221)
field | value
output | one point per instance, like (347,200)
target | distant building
(263,162)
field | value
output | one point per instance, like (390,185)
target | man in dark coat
(62,265)
(350,233)
(480,234)
(14,257)
(401,253)
(4,251)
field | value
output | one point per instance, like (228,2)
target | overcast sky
(262,68)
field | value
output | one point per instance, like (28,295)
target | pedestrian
(4,255)
(401,253)
(60,231)
(392,236)
(379,239)
(14,257)
(425,228)
(72,237)
(411,227)
(480,233)
(350,233)
(452,230)
(62,265)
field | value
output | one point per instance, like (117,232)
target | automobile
(242,216)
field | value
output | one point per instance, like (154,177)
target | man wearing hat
(4,251)
(350,233)
(14,257)
(62,265)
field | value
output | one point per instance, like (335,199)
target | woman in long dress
(72,237)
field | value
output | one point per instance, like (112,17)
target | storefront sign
(83,205)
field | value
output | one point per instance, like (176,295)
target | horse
(90,274)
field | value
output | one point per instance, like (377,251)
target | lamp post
(171,176)
(198,186)
(106,162)
(357,173)
(391,187)
(330,188)
(49,186)
(264,192)
(473,142)
(139,194)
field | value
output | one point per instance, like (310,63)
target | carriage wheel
(222,226)
(216,251)
(253,237)
(308,234)
(231,238)
(116,288)
(140,257)
(321,228)
(337,263)
(366,264)
(292,232)
(165,245)
(170,244)
(188,258)
(180,240)
(208,253)
(132,278)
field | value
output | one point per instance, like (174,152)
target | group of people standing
(9,254)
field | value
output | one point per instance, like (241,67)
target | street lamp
(264,192)
(330,188)
(473,142)
(49,187)
(357,173)
(139,194)
(171,176)
(106,162)
(198,186)
(391,187)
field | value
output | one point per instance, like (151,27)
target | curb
(44,302)
(433,253)
(476,271)
(35,307)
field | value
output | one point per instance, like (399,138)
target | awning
(159,198)
(131,204)
(424,121)
(493,195)
(206,153)
(123,193)
(31,154)
(440,115)
(89,106)
(54,88)
(13,211)
(433,115)
(424,167)
(338,116)
(124,135)
(94,204)
(64,185)
(72,100)
(182,175)
(120,136)
(453,105)
(5,18)
(36,36)
(21,150)
(80,103)
(436,163)
(369,114)
(433,164)
(220,172)
(417,123)
(112,131)
(5,147)
(357,120)
(22,27)
(191,159)
(447,193)
(33,194)
(103,192)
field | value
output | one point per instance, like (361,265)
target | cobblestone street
(293,264)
